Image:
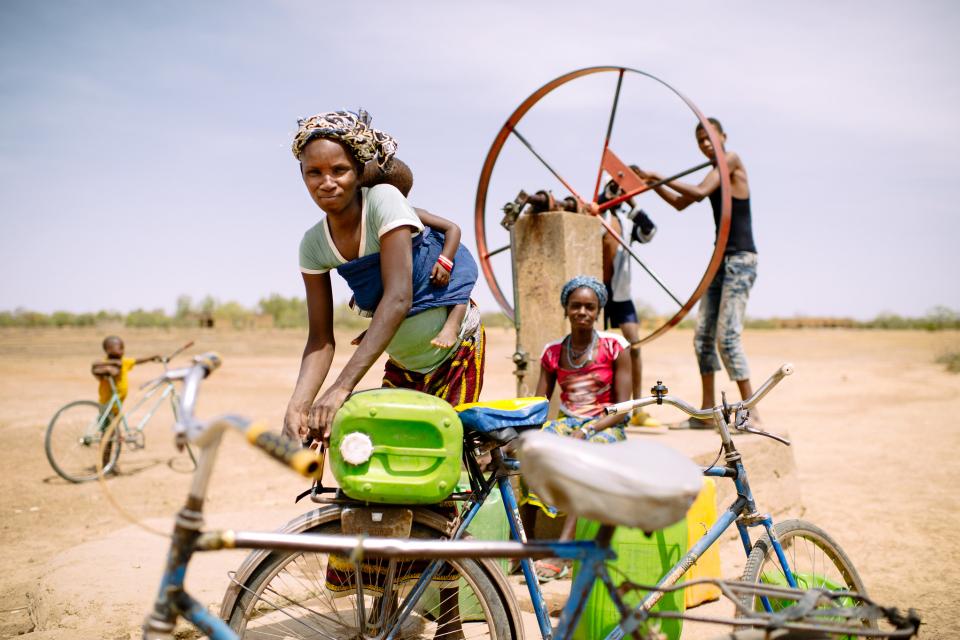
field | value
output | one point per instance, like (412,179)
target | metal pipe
(361,546)
(639,190)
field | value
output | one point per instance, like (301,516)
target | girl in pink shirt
(592,368)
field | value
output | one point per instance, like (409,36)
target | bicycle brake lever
(726,407)
(748,429)
(741,423)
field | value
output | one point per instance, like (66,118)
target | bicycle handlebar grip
(786,369)
(618,408)
(287,451)
(210,361)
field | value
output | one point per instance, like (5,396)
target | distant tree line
(272,311)
(291,313)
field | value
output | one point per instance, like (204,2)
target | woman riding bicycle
(375,240)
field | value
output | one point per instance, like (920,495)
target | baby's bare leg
(451,328)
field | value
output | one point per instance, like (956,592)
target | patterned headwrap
(352,129)
(584,281)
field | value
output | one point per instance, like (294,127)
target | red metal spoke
(626,247)
(496,251)
(546,164)
(606,141)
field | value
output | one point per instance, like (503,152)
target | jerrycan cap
(356,448)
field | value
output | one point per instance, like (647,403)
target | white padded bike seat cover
(636,484)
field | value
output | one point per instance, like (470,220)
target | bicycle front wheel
(815,560)
(317,595)
(74,438)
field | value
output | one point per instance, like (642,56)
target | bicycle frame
(742,511)
(169,391)
(172,601)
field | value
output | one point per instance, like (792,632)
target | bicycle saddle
(636,484)
(499,421)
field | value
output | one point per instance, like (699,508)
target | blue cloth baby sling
(363,277)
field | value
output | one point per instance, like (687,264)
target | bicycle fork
(172,601)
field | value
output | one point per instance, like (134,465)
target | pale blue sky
(144,147)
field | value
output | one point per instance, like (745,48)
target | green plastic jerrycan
(804,581)
(490,523)
(640,559)
(396,446)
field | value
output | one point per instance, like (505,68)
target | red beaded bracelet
(446,263)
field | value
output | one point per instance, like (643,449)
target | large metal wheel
(494,243)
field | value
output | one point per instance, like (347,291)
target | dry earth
(871,415)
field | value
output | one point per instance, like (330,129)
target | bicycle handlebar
(621,407)
(177,352)
(285,450)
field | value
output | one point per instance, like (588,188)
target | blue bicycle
(296,585)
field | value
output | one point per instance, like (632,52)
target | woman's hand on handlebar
(295,423)
(321,415)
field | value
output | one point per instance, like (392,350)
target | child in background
(114,349)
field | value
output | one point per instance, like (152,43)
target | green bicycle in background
(74,441)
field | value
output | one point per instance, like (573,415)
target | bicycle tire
(286,595)
(73,442)
(814,557)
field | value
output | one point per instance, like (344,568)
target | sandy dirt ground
(871,414)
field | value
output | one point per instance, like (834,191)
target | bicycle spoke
(361,609)
(289,602)
(546,164)
(283,601)
(387,598)
(311,590)
(606,141)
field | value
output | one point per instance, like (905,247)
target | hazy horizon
(170,310)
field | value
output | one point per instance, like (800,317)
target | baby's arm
(451,242)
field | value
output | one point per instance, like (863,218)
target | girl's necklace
(577,359)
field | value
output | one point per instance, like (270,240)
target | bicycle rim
(814,558)
(313,595)
(73,442)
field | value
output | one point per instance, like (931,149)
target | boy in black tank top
(723,306)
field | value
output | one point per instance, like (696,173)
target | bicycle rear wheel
(308,595)
(815,559)
(73,441)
